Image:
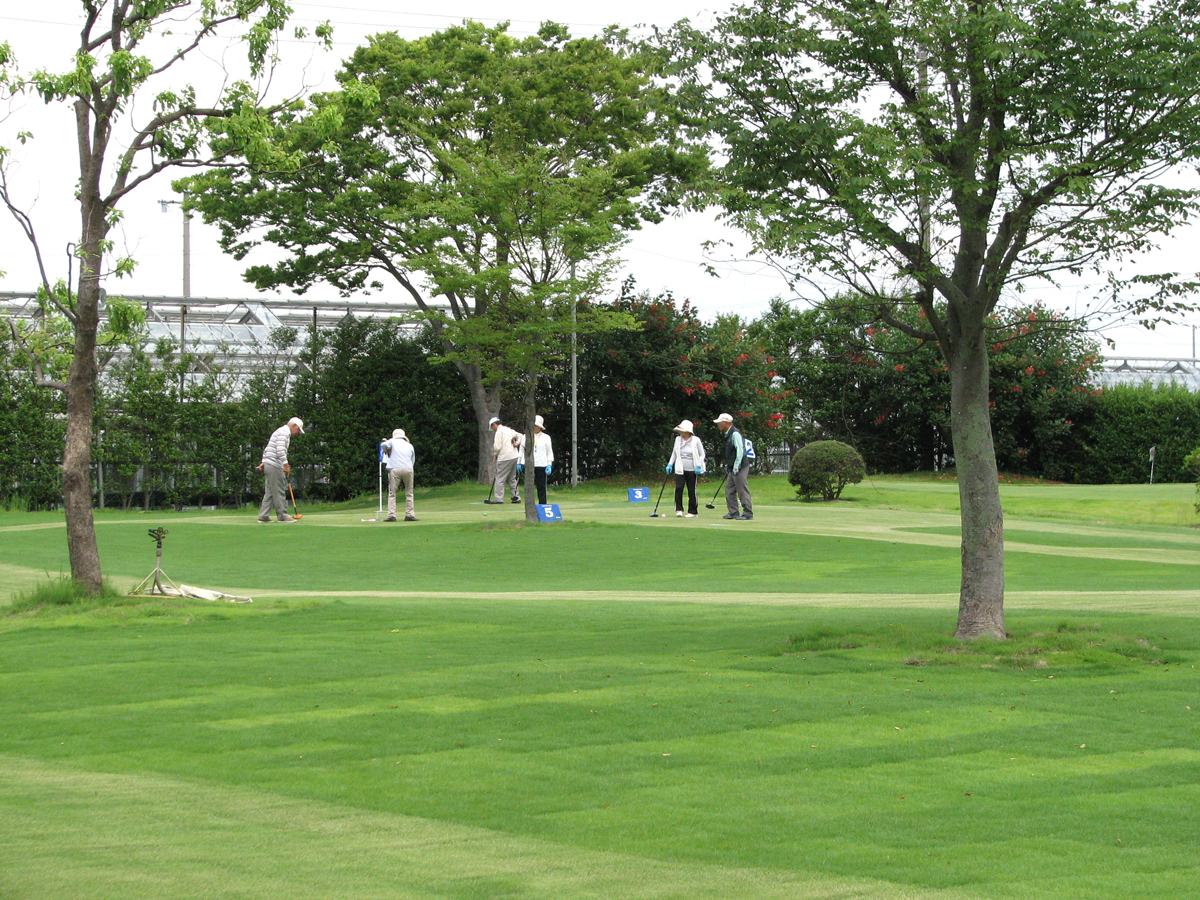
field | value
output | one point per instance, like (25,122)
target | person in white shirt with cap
(401,457)
(506,453)
(686,462)
(276,469)
(737,464)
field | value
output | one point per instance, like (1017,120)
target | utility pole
(187,278)
(187,244)
(574,387)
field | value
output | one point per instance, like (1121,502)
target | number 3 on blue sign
(637,495)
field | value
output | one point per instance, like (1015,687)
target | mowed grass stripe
(665,731)
(87,835)
(589,556)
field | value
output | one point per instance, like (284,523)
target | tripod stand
(158,576)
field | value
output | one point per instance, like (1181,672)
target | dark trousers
(539,481)
(688,479)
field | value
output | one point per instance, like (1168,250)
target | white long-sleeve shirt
(543,450)
(400,453)
(506,443)
(687,455)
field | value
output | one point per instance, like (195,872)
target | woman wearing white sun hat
(686,462)
(543,457)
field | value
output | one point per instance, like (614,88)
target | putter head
(709,506)
(654,515)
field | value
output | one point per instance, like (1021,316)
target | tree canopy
(475,170)
(941,153)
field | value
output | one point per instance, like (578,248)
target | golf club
(654,515)
(712,504)
(295,511)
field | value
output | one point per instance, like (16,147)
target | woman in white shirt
(686,462)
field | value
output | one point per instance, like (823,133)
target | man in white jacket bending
(506,452)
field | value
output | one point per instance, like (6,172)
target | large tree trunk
(981,594)
(530,488)
(77,452)
(485,404)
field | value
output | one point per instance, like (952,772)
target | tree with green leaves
(130,51)
(31,422)
(474,170)
(943,152)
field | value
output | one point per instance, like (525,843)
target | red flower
(1029,370)
(900,368)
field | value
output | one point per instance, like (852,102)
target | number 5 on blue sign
(639,495)
(549,512)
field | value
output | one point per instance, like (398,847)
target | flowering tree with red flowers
(635,386)
(870,385)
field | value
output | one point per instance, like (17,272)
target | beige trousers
(394,477)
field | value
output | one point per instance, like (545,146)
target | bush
(824,468)
(1191,464)
(1125,422)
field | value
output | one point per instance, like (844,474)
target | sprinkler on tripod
(158,575)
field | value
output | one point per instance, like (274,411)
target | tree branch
(40,378)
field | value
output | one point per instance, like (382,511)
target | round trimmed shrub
(823,468)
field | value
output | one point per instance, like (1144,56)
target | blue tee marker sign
(639,495)
(549,512)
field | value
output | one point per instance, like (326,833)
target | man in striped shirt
(276,468)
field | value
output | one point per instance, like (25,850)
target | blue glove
(699,470)
(520,468)
(549,469)
(670,468)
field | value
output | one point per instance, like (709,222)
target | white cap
(399,433)
(723,417)
(685,425)
(538,423)
(493,421)
(297,421)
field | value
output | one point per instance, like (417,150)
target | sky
(665,256)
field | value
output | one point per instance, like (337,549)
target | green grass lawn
(613,707)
